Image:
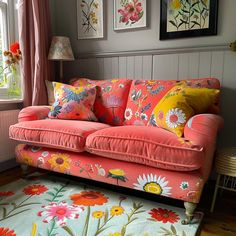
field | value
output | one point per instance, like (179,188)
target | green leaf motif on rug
(57,193)
(170,232)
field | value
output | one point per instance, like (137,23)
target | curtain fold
(34,38)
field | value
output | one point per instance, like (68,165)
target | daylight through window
(8,33)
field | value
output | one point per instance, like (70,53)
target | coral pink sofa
(137,156)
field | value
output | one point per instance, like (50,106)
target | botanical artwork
(52,205)
(188,18)
(90,18)
(129,14)
(187,15)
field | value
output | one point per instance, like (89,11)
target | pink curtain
(34,39)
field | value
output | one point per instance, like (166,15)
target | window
(8,33)
(3,37)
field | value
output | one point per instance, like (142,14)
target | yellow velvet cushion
(180,104)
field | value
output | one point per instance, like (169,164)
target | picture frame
(90,19)
(124,19)
(180,19)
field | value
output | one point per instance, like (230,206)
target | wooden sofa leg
(189,210)
(24,168)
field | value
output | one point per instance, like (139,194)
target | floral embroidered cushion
(143,97)
(110,103)
(180,104)
(73,102)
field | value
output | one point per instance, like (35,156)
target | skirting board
(8,164)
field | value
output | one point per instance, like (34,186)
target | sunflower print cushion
(73,103)
(179,105)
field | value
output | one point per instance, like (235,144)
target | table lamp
(60,50)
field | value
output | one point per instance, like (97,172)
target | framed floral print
(188,18)
(90,19)
(129,14)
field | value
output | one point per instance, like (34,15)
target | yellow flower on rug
(115,234)
(60,162)
(117,210)
(98,214)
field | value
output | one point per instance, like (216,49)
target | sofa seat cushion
(63,134)
(146,145)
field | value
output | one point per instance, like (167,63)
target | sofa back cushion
(111,99)
(143,97)
(73,103)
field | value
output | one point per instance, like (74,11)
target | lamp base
(61,71)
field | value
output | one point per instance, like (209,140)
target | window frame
(10,26)
(5,41)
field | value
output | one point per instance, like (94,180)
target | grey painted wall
(64,23)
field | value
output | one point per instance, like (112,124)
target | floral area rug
(43,205)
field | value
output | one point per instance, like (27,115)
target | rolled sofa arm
(33,113)
(202,129)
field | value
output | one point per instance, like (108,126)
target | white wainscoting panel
(122,67)
(204,64)
(130,67)
(156,67)
(217,65)
(165,67)
(147,67)
(193,66)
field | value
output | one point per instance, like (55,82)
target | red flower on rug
(7,232)
(164,215)
(6,194)
(88,198)
(35,189)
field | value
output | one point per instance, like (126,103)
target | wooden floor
(220,223)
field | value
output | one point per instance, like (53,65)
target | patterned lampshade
(60,49)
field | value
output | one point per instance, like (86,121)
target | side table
(225,166)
